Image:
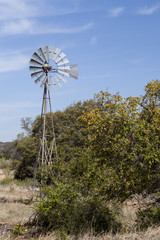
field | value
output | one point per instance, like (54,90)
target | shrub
(6,181)
(148,217)
(64,209)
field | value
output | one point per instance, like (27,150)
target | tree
(125,146)
(71,138)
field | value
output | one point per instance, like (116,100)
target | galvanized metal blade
(56,52)
(41,54)
(33,68)
(36,74)
(60,56)
(63,61)
(34,62)
(40,78)
(46,53)
(51,50)
(36,56)
(58,81)
(73,72)
(63,73)
(62,78)
(65,67)
(53,82)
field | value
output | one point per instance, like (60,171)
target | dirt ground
(2,175)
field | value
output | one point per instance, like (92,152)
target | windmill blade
(46,53)
(73,72)
(36,56)
(65,67)
(33,68)
(63,73)
(56,52)
(60,56)
(58,81)
(43,82)
(34,62)
(53,82)
(36,74)
(51,50)
(40,78)
(63,61)
(62,78)
(41,54)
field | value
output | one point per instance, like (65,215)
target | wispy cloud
(148,10)
(24,26)
(115,12)
(25,17)
(11,9)
(13,61)
(17,27)
(62,29)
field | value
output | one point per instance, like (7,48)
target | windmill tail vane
(49,66)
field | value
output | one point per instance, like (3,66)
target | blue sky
(116,45)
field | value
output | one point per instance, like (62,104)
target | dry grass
(150,234)
(15,212)
(13,209)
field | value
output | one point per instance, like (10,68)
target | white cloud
(61,29)
(17,27)
(115,12)
(148,10)
(13,61)
(16,9)
(11,9)
(24,26)
(93,41)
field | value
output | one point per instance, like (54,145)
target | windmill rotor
(51,61)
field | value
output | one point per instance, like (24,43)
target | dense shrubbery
(148,217)
(108,148)
(64,208)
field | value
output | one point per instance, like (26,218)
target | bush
(6,181)
(148,217)
(64,209)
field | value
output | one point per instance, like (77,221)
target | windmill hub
(49,66)
(46,68)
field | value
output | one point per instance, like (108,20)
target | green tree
(125,142)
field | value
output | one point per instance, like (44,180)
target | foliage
(64,208)
(148,217)
(6,181)
(8,150)
(25,155)
(124,137)
(108,149)
(71,138)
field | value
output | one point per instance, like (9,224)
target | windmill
(49,66)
